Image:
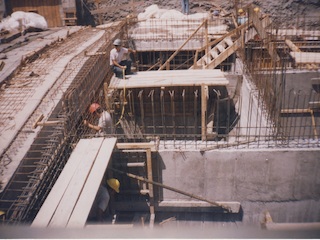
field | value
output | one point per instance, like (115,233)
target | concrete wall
(253,120)
(285,182)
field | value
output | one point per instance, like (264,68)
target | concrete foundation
(284,182)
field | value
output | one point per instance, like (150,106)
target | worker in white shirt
(119,61)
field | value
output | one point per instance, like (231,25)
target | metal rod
(172,189)
(151,95)
(163,110)
(141,109)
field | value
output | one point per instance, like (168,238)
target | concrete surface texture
(285,182)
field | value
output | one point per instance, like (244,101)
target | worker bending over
(105,125)
(119,60)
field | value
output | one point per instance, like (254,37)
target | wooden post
(204,99)
(207,41)
(150,187)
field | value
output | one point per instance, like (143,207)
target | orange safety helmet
(93,107)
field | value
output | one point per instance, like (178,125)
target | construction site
(217,128)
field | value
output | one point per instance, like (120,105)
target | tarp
(20,20)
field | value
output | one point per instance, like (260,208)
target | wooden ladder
(218,54)
(220,49)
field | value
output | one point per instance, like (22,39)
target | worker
(105,125)
(242,16)
(185,6)
(102,208)
(119,60)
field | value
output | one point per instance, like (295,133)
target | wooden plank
(292,46)
(205,22)
(150,145)
(233,206)
(70,197)
(171,78)
(52,201)
(212,73)
(260,25)
(82,209)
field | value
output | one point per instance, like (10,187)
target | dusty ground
(288,12)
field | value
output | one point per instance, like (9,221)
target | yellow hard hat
(114,184)
(256,9)
(240,10)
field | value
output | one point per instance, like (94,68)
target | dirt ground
(284,12)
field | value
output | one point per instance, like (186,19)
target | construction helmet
(117,42)
(256,9)
(114,184)
(93,107)
(240,11)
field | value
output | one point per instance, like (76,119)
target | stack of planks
(70,200)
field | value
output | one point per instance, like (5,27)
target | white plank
(49,206)
(70,197)
(171,78)
(82,209)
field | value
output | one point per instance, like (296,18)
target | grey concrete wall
(285,182)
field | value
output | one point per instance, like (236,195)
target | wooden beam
(260,25)
(233,206)
(204,105)
(178,50)
(153,146)
(150,187)
(292,46)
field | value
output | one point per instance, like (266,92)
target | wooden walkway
(171,78)
(70,200)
